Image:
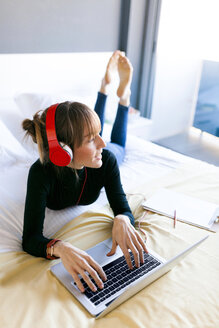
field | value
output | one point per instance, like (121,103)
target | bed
(31,296)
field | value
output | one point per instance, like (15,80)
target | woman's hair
(71,119)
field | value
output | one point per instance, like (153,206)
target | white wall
(69,76)
(69,73)
(188,34)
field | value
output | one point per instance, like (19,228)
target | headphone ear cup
(59,153)
(67,149)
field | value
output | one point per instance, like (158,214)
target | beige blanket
(188,296)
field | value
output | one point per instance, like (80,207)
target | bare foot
(125,71)
(110,70)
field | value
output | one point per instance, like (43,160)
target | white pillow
(30,103)
(10,148)
(6,159)
(12,118)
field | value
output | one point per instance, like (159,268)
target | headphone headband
(57,154)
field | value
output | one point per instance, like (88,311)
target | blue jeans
(119,130)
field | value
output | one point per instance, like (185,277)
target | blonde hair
(71,119)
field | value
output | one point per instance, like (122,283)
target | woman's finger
(141,241)
(138,246)
(135,253)
(113,248)
(127,256)
(88,281)
(96,267)
(95,277)
(78,282)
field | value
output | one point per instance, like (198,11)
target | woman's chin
(95,164)
(98,163)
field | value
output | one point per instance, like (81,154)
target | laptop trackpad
(98,252)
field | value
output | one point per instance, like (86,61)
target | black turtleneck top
(46,188)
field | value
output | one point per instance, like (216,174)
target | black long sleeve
(36,201)
(47,189)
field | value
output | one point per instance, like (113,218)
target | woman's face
(89,153)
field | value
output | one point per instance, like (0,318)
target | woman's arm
(33,241)
(114,190)
(75,260)
(123,233)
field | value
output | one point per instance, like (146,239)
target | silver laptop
(122,283)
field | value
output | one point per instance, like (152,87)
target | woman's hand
(125,235)
(76,262)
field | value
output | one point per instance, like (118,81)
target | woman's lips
(99,157)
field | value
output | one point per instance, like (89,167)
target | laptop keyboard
(119,276)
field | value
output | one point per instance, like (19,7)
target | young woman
(90,167)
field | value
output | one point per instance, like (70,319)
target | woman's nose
(101,143)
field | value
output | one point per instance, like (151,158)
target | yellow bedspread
(188,296)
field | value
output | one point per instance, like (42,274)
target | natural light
(189,28)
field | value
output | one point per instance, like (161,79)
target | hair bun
(29,126)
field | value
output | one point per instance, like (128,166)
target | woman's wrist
(59,248)
(121,217)
(54,249)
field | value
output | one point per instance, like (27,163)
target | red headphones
(59,153)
